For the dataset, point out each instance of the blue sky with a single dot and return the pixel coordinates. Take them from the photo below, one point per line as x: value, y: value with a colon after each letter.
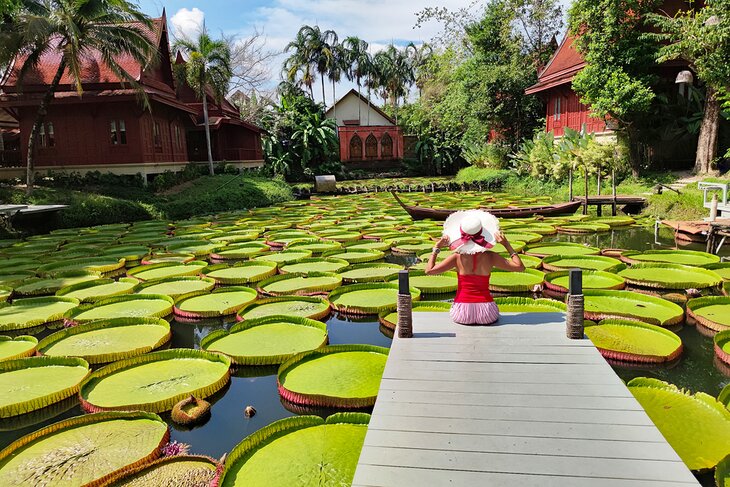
x: 377, y: 21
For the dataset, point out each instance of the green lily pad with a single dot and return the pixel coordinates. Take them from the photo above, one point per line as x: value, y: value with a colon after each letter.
x: 602, y: 304
x: 369, y: 272
x: 288, y: 284
x: 14, y: 277
x: 155, y: 382
x: 165, y: 257
x: 315, y: 264
x: 369, y: 244
x: 713, y: 312
x: 446, y: 282
x: 334, y: 376
x: 585, y: 262
x: 130, y: 253
x: 722, y: 473
x: 633, y: 341
x: 199, y: 248
x: 43, y: 286
x: 721, y: 268
x: 97, y: 264
x: 722, y: 346
x: 128, y: 306
x: 527, y: 237
x: 525, y: 281
x: 285, y: 256
x: 529, y: 305
x: 335, y: 443
x: 167, y: 270
x: 176, y: 287
x: 368, y: 298
x: 313, y: 245
x: 685, y: 257
x: 242, y: 272
x: 545, y: 249
x: 188, y: 470
x: 223, y: 301
x: 105, y: 341
x: 560, y: 281
x: 355, y: 256
x: 29, y: 384
x: 724, y: 396
x: 84, y: 450
x: 18, y: 347
x: 670, y: 276
x: 30, y: 312
x: 582, y: 227
x: 267, y: 341
x: 312, y: 307
x: 339, y: 236
x: 613, y: 221
x: 696, y: 426
x: 243, y: 251
x: 98, y: 289
x: 390, y: 319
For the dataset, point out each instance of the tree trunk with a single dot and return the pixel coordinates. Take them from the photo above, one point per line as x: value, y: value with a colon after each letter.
x: 207, y: 133
x: 707, y: 141
x: 324, y: 98
x: 38, y: 123
x: 629, y: 138
x: 359, y: 104
x: 334, y: 99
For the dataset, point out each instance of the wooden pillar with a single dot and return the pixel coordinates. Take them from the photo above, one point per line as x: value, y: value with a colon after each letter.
x: 599, y: 209
x: 570, y: 183
x: 585, y: 203
x: 405, y: 306
x: 574, y: 320
x: 613, y: 190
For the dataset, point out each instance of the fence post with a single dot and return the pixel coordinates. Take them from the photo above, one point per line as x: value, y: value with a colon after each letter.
x: 574, y: 322
x: 405, y: 306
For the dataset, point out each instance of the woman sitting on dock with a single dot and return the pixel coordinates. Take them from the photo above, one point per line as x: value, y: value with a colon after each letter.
x: 471, y: 234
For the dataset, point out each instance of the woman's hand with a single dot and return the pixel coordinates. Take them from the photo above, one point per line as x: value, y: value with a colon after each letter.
x: 500, y: 238
x: 443, y: 242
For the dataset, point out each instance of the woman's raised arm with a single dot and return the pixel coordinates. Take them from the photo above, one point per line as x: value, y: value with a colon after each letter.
x: 514, y: 263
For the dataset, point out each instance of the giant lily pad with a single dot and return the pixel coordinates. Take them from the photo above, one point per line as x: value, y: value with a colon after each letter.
x: 560, y: 281
x: 344, y: 376
x: 84, y: 450
x: 582, y: 227
x: 602, y: 304
x: 176, y: 287
x: 181, y: 470
x: 390, y: 319
x: 722, y: 473
x: 633, y: 341
x: 446, y: 282
x: 167, y: 270
x: 722, y: 346
x: 98, y: 264
x: 18, y: 347
x: 369, y: 272
x: 128, y: 306
x: 721, y: 268
x: 312, y: 307
x: 241, y: 273
x: 130, y: 253
x: 368, y: 298
x: 529, y: 305
x: 696, y: 426
x: 30, y: 312
x: 713, y: 312
x: 98, y: 289
x: 334, y: 443
x: 285, y: 257
x: 288, y: 284
x: 686, y: 257
x: 585, y: 262
x: 29, y: 384
x: 529, y: 261
x: 105, y: 341
x: 670, y: 276
x: 241, y: 251
x: 525, y: 281
x: 321, y: 264
x: 166, y: 257
x: 545, y: 249
x: 355, y: 256
x: 315, y: 246
x: 155, y: 382
x: 43, y: 286
x: 267, y: 341
x: 221, y: 302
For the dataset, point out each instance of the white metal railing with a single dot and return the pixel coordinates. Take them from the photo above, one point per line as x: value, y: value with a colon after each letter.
x: 712, y: 187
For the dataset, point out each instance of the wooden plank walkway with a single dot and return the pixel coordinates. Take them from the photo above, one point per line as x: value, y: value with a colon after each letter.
x: 517, y: 404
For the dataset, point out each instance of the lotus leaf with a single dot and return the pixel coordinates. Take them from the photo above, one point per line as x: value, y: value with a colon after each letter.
x: 155, y: 382
x: 197, y: 248
x: 685, y: 257
x: 721, y: 268
x: 529, y: 305
x: 381, y: 245
x: 722, y: 473
x: 517, y: 246
x: 722, y: 346
x: 242, y: 272
x: 634, y: 341
x: 98, y: 289
x: 30, y: 312
x: 127, y: 306
x: 313, y: 245
x: 314, y: 308
x: 287, y: 284
x: 412, y: 246
x: 334, y: 443
x: 176, y: 287
x: 369, y: 272
x: 525, y: 281
x: 267, y: 341
x: 343, y: 376
x: 713, y: 312
x: 545, y: 249
x: 560, y: 281
x: 243, y: 251
x: 179, y: 470
x: 29, y: 384
x: 165, y: 257
x: 130, y: 253
x: 724, y: 396
x: 582, y: 227
x: 390, y: 320
x: 11, y: 279
x: 339, y: 236
x: 106, y: 341
x: 98, y: 264
x: 446, y: 282
x: 696, y: 426
x: 527, y: 237
x: 539, y: 228
x: 167, y: 270
x: 585, y: 262
x: 190, y: 410
x: 40, y: 286
x: 223, y: 301
x: 670, y: 276
x: 285, y: 256
x: 602, y: 304
x: 368, y: 298
x: 18, y: 347
x: 5, y: 293
x: 322, y: 264
x: 355, y: 256
x: 84, y: 450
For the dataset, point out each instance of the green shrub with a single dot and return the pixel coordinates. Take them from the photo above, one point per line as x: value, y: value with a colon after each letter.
x: 490, y: 155
x: 492, y: 179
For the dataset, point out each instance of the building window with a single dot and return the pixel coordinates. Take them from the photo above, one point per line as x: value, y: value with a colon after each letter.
x: 157, y: 136
x: 371, y: 147
x: 178, y: 136
x: 558, y: 108
x: 355, y: 147
x: 118, y: 130
x: 386, y: 146
x: 46, y: 137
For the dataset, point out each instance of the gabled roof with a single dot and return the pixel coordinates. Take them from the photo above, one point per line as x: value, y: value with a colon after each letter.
x: 561, y: 69
x: 363, y: 99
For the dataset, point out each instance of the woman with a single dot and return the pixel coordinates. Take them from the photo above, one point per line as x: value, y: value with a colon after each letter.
x: 471, y: 234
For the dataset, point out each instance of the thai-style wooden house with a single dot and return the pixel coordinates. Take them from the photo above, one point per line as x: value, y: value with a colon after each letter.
x: 108, y: 128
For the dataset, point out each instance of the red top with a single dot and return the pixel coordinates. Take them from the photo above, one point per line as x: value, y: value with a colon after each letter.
x: 473, y: 288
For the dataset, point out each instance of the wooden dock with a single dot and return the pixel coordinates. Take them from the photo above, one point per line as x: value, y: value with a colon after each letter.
x: 515, y: 404
x: 629, y: 204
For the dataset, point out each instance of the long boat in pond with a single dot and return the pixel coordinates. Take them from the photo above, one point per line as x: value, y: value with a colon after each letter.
x: 423, y: 213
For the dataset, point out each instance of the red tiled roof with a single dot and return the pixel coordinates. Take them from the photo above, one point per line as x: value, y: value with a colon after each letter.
x: 561, y: 69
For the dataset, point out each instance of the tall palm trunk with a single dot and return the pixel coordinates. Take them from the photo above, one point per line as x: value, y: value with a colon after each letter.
x: 207, y: 132
x: 708, y: 138
x: 334, y: 99
x: 359, y: 104
x: 39, y: 119
x: 324, y: 98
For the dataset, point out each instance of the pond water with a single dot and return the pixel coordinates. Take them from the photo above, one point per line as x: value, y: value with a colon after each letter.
x: 227, y: 425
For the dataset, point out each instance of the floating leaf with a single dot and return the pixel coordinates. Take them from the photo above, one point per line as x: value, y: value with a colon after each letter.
x: 167, y: 270
x: 312, y: 307
x: 369, y: 272
x: 722, y: 474
x: 315, y: 264
x: 178, y: 470
x: 560, y: 281
x: 241, y: 273
x: 98, y: 264
x: 722, y: 346
x: 30, y: 312
x: 633, y: 341
x: 446, y: 282
x: 289, y: 284
x: 44, y: 286
x: 585, y: 262
x: 98, y: 289
x: 223, y: 301
x: 685, y: 257
x: 518, y: 282
x: 390, y: 319
x: 368, y: 298
x: 670, y: 276
x: 176, y: 287
x: 18, y: 347
x: 602, y: 304
x: 712, y: 312
x: 545, y: 249
x: 128, y: 306
x: 529, y: 305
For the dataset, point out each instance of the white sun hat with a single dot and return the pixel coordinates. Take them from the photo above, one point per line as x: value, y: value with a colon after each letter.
x: 464, y: 227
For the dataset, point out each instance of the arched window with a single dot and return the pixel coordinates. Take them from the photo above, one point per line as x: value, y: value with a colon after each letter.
x: 355, y: 147
x: 386, y: 146
x: 371, y: 147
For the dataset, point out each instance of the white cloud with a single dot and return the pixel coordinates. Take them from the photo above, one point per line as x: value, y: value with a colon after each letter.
x: 188, y: 23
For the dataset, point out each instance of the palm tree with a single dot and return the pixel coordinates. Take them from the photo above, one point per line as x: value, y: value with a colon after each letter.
x: 321, y: 49
x: 337, y: 68
x: 394, y: 74
x: 418, y: 58
x: 208, y: 67
x: 299, y: 62
x: 360, y: 63
x: 115, y: 29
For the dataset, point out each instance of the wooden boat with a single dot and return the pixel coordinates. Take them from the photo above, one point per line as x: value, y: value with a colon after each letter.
x: 422, y: 213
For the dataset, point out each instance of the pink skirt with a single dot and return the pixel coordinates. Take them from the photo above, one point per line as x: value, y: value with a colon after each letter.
x: 474, y: 313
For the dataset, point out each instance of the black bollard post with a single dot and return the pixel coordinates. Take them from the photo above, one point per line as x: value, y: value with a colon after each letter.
x: 405, y: 306
x: 574, y: 321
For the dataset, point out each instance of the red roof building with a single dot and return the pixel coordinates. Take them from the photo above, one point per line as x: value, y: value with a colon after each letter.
x: 108, y: 129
